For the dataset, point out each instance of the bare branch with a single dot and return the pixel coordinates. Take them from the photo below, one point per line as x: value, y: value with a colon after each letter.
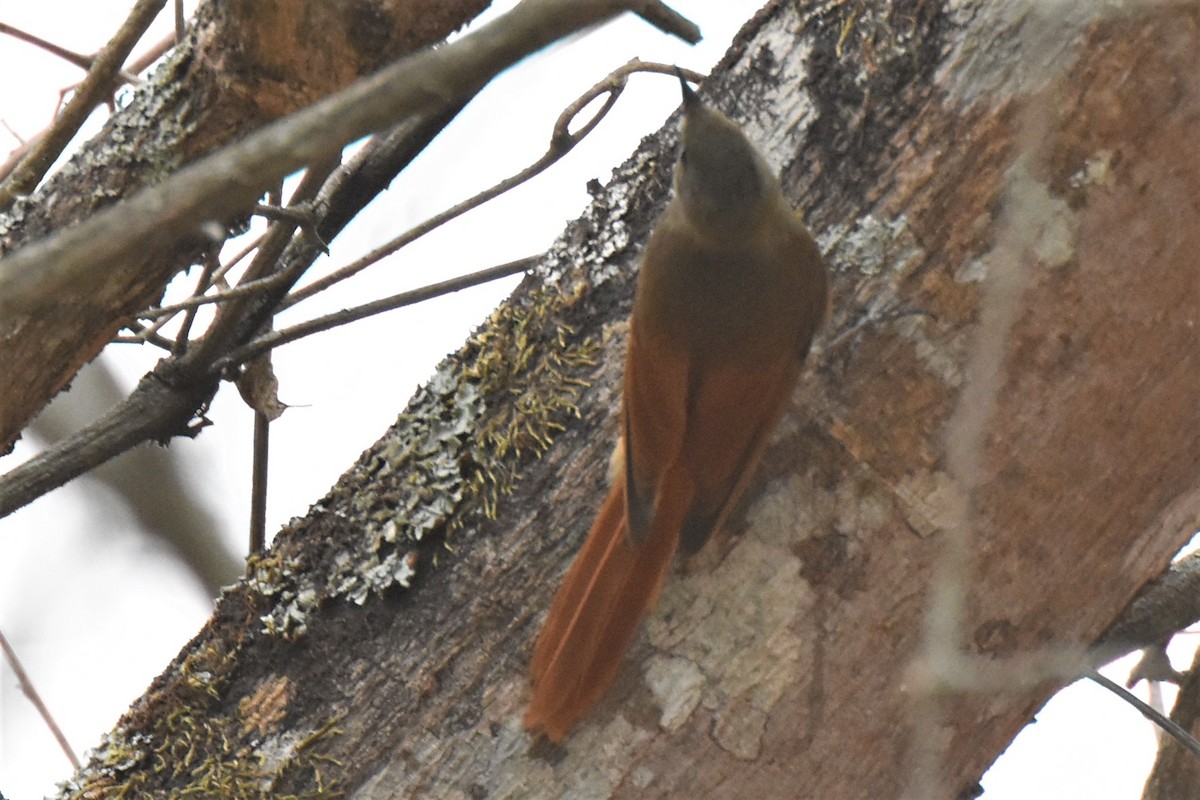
x: 277, y: 338
x: 97, y: 85
x: 1175, y: 770
x: 211, y: 265
x: 190, y: 380
x: 70, y: 56
x: 128, y: 75
x: 668, y: 21
x: 192, y: 377
x: 562, y: 141
x: 243, y: 289
x: 258, y: 483
x: 142, y: 334
x: 229, y: 181
x: 235, y: 321
x: 1149, y: 712
x: 28, y: 689
x: 152, y: 54
x: 164, y: 404
x: 1161, y: 609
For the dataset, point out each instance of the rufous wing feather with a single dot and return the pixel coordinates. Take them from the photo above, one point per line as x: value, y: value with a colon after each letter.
x: 616, y: 577
x: 654, y: 422
x: 730, y: 292
x: 731, y: 415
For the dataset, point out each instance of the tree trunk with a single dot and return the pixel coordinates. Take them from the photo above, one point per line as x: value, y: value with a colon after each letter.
x: 241, y: 64
x: 1176, y: 772
x: 1006, y: 192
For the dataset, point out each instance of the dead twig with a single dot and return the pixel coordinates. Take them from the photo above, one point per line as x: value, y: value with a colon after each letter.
x: 97, y: 85
x: 170, y: 401
x: 562, y: 141
x: 277, y: 338
x: 30, y: 692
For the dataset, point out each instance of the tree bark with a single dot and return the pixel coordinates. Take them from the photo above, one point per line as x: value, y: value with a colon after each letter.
x: 1002, y: 178
x: 1176, y: 772
x: 241, y: 65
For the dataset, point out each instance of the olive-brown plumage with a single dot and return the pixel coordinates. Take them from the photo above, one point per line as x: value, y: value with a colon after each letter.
x: 731, y: 291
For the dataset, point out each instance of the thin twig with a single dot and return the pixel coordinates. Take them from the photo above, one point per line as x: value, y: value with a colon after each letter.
x: 275, y: 339
x: 258, y: 482
x: 232, y: 178
x: 669, y: 21
x: 128, y: 75
x: 166, y: 401
x: 153, y: 53
x: 234, y: 319
x: 211, y: 264
x: 423, y: 89
x: 241, y: 290
x: 562, y: 141
x: 27, y: 687
x: 301, y: 215
x: 1149, y: 712
x: 145, y: 335
x: 70, y: 56
x: 239, y: 257
x: 12, y: 132
x: 396, y: 148
x: 97, y: 84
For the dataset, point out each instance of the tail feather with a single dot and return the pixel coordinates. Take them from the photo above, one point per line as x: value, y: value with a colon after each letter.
x: 609, y: 588
x: 581, y: 581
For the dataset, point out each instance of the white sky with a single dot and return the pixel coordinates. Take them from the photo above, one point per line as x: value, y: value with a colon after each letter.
x: 95, y: 612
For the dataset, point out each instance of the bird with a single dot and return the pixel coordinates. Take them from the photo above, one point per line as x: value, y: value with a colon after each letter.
x: 730, y: 293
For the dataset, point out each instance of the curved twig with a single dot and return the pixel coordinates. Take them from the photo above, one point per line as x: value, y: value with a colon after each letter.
x: 562, y: 141
x: 167, y: 401
x: 1148, y: 711
x: 421, y: 84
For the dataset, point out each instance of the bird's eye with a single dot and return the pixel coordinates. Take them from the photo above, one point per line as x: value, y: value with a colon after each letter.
x: 682, y: 155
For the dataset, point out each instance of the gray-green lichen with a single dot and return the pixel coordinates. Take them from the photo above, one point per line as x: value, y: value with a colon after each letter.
x: 873, y: 246
x: 155, y: 115
x: 451, y: 457
x: 600, y: 236
x: 461, y: 444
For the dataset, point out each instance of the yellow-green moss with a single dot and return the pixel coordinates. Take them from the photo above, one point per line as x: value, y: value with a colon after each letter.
x: 451, y: 456
x: 541, y: 382
x: 204, y: 754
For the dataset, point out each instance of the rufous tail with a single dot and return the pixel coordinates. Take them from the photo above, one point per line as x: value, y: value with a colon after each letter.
x: 609, y: 588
